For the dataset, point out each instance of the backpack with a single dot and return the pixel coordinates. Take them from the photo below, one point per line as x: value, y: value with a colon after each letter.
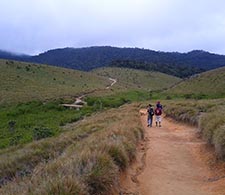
x: 151, y: 112
x: 158, y: 111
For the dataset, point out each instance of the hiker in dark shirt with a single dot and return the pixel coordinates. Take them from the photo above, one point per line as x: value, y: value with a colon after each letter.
x: 150, y: 111
x: 158, y: 105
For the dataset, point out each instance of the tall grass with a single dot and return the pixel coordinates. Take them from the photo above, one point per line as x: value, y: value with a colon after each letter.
x: 86, y: 159
x: 208, y: 115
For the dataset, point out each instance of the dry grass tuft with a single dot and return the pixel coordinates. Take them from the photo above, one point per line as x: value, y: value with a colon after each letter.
x: 85, y: 160
x: 219, y: 141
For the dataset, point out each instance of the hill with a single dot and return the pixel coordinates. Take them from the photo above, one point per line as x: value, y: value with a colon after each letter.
x: 13, y: 56
x: 208, y: 84
x: 93, y: 57
x: 21, y: 82
x: 137, y: 79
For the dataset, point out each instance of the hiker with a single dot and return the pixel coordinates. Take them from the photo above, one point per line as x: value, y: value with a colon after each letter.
x: 150, y: 111
x: 158, y: 113
x: 158, y: 105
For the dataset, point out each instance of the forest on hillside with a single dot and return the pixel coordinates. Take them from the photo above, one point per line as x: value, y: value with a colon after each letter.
x: 173, y: 63
x: 171, y: 69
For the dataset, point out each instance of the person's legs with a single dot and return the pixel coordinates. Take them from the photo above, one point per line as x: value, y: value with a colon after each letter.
x: 150, y: 121
x: 156, y: 120
x: 160, y: 120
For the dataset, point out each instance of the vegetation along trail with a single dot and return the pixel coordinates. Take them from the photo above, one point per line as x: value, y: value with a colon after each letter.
x: 172, y: 161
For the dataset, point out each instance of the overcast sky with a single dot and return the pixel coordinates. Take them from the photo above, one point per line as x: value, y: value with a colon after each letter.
x: 34, y: 26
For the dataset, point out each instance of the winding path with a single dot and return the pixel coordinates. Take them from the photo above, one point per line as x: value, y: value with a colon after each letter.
x: 113, y: 82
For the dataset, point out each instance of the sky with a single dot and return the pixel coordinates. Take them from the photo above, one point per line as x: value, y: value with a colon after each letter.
x: 34, y: 26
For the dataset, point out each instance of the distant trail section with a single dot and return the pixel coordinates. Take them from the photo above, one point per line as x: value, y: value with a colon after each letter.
x: 171, y: 162
x: 113, y: 82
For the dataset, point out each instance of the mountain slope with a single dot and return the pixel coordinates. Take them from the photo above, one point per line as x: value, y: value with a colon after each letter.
x: 21, y: 82
x: 94, y: 57
x: 137, y: 79
x: 208, y: 84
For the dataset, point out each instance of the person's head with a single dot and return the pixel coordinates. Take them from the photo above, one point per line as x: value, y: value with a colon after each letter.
x: 150, y: 105
x: 158, y: 102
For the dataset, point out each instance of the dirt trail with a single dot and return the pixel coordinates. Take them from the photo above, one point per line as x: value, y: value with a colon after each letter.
x: 171, y: 162
x: 113, y: 82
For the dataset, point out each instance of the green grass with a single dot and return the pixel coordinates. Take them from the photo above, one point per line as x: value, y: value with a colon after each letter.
x: 117, y: 99
x: 208, y: 85
x: 207, y: 115
x: 23, y: 82
x: 85, y: 159
x: 128, y: 79
x: 26, y: 122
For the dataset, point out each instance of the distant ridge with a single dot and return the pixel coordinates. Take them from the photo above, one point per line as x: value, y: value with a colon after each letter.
x: 173, y: 63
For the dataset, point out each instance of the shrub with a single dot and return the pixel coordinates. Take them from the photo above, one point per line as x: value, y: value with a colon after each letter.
x: 42, y: 132
x: 27, y: 68
x: 14, y: 140
x: 219, y: 141
x: 12, y: 126
x: 188, y: 96
x: 168, y: 97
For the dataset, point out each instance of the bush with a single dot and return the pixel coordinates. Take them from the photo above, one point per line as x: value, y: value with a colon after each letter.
x: 42, y: 132
x: 219, y: 141
x: 15, y: 140
x: 12, y: 126
x: 188, y: 96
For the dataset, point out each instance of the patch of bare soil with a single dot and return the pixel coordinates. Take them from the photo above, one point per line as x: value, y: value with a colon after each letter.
x: 173, y: 160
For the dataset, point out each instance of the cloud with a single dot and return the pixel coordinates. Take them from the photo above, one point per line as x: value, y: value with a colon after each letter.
x: 31, y: 26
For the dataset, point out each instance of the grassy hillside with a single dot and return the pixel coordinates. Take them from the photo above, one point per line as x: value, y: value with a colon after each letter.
x: 210, y: 84
x: 32, y: 84
x: 137, y: 79
x: 22, y: 82
x: 85, y: 160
